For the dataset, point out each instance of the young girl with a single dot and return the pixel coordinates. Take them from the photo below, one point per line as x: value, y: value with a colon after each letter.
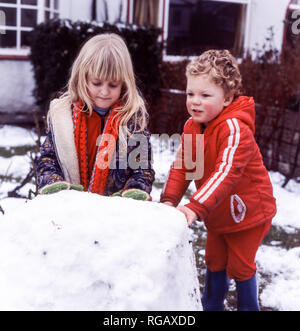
x: 89, y: 125
x: 234, y: 197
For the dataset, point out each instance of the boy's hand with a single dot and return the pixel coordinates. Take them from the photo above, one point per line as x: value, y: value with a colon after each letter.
x: 189, y: 214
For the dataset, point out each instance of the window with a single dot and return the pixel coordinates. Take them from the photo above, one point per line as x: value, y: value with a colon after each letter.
x: 145, y: 12
x: 19, y: 17
x: 197, y: 25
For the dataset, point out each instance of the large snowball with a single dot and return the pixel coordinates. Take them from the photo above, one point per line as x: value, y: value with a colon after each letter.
x: 81, y: 251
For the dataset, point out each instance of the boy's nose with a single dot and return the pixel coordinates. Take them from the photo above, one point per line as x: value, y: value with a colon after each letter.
x: 197, y: 101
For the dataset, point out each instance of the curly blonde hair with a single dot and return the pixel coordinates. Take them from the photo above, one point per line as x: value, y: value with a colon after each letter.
x: 223, y: 69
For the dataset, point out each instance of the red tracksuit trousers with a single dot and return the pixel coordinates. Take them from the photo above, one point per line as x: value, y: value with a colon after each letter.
x: 235, y: 252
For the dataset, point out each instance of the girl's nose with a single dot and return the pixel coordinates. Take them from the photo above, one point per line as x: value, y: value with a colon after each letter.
x: 104, y: 90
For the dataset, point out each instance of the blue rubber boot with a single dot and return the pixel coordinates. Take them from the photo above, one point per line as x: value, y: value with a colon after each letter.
x: 247, y: 298
x: 216, y: 288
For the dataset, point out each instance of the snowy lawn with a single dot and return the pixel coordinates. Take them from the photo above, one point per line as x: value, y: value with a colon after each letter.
x: 277, y: 260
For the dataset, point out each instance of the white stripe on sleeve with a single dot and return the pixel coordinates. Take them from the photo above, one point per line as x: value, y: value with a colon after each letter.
x: 219, y: 176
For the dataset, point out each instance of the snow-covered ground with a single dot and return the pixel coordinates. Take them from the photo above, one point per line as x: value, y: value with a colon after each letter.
x: 278, y: 265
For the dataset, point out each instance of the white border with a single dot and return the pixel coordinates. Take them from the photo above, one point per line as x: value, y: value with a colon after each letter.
x: 242, y: 211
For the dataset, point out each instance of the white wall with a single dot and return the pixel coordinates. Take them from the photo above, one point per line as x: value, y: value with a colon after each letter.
x: 81, y: 10
x: 75, y: 9
x: 264, y: 14
x: 114, y: 9
x: 15, y: 93
x: 16, y: 88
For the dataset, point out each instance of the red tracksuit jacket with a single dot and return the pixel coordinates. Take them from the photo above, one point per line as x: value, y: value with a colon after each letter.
x: 235, y: 192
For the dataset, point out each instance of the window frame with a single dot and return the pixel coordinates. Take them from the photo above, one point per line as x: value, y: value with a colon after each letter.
x: 246, y: 44
x: 163, y: 23
x: 130, y: 12
x: 41, y: 10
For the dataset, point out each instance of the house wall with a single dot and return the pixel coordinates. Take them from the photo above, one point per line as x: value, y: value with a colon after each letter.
x: 263, y: 15
x: 16, y: 88
x: 78, y: 9
x: 75, y: 9
x: 16, y: 92
x: 116, y: 11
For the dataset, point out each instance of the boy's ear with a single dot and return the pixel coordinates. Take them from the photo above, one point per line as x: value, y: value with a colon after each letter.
x: 228, y: 99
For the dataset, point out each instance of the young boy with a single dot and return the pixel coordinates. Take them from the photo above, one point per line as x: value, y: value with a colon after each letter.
x: 234, y: 197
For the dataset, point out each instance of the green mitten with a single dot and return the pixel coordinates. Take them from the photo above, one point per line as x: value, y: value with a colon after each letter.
x: 54, y: 187
x: 76, y: 187
x: 136, y: 194
x: 117, y: 194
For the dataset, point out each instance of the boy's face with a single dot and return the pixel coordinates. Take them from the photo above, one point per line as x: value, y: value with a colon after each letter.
x: 104, y: 93
x: 205, y: 100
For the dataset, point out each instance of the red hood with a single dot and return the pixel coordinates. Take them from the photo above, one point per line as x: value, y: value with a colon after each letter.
x: 243, y: 108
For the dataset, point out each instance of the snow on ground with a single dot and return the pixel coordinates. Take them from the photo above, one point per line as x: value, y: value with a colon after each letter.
x: 280, y: 264
x: 283, y: 292
x: 287, y: 203
x: 11, y: 136
x: 16, y: 166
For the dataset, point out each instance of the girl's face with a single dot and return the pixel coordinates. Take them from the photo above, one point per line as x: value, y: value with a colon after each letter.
x: 205, y: 100
x: 104, y: 93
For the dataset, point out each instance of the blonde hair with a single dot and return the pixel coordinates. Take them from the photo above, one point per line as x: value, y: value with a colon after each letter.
x: 106, y: 57
x: 223, y: 69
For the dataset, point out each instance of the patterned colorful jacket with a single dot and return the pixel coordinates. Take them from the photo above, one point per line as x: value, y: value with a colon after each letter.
x: 50, y: 168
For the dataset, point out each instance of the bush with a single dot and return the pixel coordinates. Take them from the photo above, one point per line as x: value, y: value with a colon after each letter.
x: 273, y: 79
x: 169, y: 112
x: 56, y: 43
x: 173, y: 75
